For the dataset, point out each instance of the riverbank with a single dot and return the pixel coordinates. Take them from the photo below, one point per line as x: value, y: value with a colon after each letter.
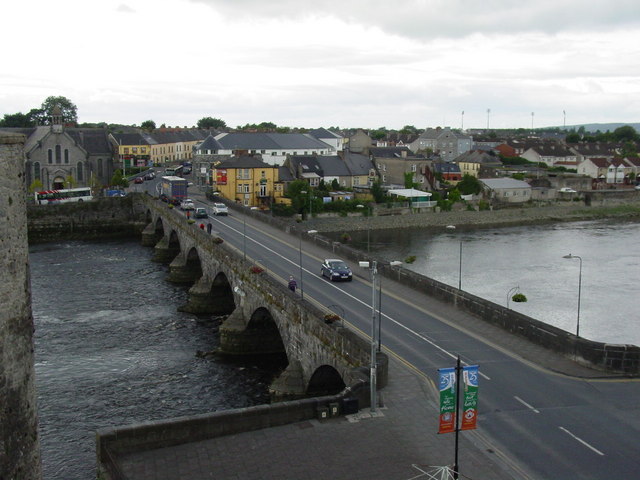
x: 569, y: 212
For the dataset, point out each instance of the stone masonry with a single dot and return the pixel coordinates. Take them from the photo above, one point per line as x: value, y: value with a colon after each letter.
x: 19, y: 444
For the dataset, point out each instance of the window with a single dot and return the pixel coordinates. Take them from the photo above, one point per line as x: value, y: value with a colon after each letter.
x: 66, y: 155
x: 36, y: 170
x: 246, y: 188
x: 126, y: 150
x: 134, y: 150
x: 80, y: 172
x: 49, y: 156
x: 58, y: 154
x: 263, y: 174
x: 239, y: 188
x: 413, y: 168
x: 356, y: 181
x: 100, y: 172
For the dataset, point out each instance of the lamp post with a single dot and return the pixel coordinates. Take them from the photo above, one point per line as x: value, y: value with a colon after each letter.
x: 579, y: 290
x: 360, y: 206
x: 374, y: 365
x: 511, y: 291
x: 244, y: 235
x: 460, y: 269
x: 394, y: 263
x: 310, y: 232
x: 303, y: 192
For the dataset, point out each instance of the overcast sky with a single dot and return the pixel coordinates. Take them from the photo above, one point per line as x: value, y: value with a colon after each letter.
x: 322, y: 63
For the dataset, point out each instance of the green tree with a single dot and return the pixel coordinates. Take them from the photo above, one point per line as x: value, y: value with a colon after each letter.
x: 377, y: 192
x: 118, y: 180
x: 625, y: 134
x: 148, y: 125
x: 469, y: 185
x: 19, y: 120
x: 378, y: 134
x: 67, y: 107
x: 36, y: 186
x: 408, y: 180
x: 334, y: 184
x: 210, y: 122
x: 572, y: 137
x: 408, y: 130
x: 70, y: 182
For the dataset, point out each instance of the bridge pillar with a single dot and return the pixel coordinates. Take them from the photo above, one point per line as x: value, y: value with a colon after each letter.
x: 207, y: 298
x: 183, y: 271
x: 163, y: 252
x: 290, y: 385
x: 237, y: 339
x: 150, y: 237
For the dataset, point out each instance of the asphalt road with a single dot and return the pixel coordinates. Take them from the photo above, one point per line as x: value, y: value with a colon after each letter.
x: 546, y: 424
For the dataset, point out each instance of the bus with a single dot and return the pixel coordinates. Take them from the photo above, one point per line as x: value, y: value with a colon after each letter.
x: 48, y: 197
x: 174, y: 171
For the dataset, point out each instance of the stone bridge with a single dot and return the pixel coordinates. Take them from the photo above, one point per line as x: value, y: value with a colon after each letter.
x: 263, y: 316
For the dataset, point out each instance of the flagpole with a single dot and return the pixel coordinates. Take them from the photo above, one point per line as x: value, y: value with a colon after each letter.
x: 455, y: 464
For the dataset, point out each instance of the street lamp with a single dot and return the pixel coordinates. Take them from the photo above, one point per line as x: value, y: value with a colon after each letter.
x: 368, y: 224
x: 244, y: 235
x: 579, y: 289
x: 460, y: 269
x: 511, y: 291
x: 303, y: 192
x: 374, y: 365
x: 310, y: 232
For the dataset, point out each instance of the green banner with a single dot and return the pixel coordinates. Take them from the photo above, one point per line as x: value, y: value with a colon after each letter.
x: 447, y: 387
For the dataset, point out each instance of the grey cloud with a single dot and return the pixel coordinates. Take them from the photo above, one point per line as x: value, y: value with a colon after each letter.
x: 424, y: 19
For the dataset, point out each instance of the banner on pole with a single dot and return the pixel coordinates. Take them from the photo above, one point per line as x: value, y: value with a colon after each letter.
x: 447, y: 388
x: 469, y: 397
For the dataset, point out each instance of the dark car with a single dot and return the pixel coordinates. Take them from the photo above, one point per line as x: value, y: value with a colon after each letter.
x: 200, y: 213
x: 138, y: 180
x: 335, y: 269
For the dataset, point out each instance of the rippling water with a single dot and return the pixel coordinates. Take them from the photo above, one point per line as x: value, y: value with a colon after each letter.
x: 111, y: 349
x: 496, y: 260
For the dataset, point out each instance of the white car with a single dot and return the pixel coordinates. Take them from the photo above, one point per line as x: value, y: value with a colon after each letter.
x: 220, y: 209
x: 187, y: 204
x: 567, y: 190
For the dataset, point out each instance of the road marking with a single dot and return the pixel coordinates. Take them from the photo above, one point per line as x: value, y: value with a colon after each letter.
x: 413, y: 332
x: 526, y: 404
x: 582, y: 441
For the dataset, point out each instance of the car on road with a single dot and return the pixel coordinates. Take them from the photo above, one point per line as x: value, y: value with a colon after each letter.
x: 138, y: 180
x: 200, y: 213
x: 335, y: 269
x: 567, y: 190
x: 150, y: 176
x: 187, y: 204
x: 220, y: 209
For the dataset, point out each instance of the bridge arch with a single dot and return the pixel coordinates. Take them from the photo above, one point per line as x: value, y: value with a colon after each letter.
x: 325, y: 381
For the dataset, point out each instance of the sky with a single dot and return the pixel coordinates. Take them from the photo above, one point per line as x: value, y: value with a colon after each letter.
x: 323, y: 63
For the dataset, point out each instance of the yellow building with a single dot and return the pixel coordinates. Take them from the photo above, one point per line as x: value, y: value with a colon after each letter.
x: 130, y: 149
x: 247, y: 180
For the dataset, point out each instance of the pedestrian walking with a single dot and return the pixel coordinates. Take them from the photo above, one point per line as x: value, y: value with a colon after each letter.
x: 209, y: 227
x: 188, y: 215
x: 292, y: 284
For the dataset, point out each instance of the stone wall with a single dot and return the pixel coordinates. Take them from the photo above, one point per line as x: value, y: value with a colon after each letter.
x: 104, y: 218
x: 19, y: 444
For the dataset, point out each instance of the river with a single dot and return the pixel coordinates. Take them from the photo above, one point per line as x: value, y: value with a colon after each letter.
x: 497, y: 260
x: 112, y: 349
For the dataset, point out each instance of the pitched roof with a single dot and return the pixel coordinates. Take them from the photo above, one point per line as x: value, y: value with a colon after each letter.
x: 504, y: 182
x: 93, y: 140
x: 392, y: 152
x: 333, y: 166
x: 245, y: 161
x: 357, y: 163
x: 130, y: 139
x: 445, y: 167
x: 210, y: 143
x: 270, y: 141
x: 599, y: 162
x: 323, y: 133
x: 477, y: 156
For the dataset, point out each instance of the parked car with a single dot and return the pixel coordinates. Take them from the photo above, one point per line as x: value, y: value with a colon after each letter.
x: 220, y: 209
x: 138, y: 180
x: 200, y: 213
x: 336, y: 269
x: 187, y: 204
x: 567, y: 190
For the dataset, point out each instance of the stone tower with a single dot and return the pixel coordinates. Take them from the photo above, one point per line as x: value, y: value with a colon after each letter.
x: 19, y: 444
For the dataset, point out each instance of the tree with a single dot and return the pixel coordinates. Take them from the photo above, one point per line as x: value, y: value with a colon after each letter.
x: 19, y: 120
x: 625, y: 134
x: 334, y: 184
x: 210, y: 122
x: 148, y: 125
x: 118, y: 180
x: 469, y: 185
x: 408, y: 130
x: 67, y: 107
x: 70, y: 182
x: 377, y: 192
x: 572, y: 137
x: 36, y: 186
x: 408, y: 180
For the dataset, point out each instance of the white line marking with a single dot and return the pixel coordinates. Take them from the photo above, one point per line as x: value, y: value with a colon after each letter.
x: 422, y: 337
x: 526, y: 404
x: 582, y: 441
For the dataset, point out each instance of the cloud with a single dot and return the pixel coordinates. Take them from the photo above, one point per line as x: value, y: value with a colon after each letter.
x: 424, y: 19
x: 122, y: 8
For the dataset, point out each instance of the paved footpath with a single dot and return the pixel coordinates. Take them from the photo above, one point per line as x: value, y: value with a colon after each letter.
x: 400, y: 443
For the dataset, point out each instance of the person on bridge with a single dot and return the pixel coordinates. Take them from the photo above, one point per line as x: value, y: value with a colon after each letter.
x: 292, y: 284
x: 209, y: 227
x: 202, y: 226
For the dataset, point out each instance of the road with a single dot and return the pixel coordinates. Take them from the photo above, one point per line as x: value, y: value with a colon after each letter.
x: 545, y: 425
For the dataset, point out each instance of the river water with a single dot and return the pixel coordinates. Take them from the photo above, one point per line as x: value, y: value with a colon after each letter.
x: 495, y: 261
x: 112, y: 349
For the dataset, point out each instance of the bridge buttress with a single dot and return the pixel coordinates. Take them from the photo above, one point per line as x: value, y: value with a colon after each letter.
x: 182, y: 270
x: 163, y: 252
x: 290, y: 385
x: 207, y: 297
x: 150, y: 236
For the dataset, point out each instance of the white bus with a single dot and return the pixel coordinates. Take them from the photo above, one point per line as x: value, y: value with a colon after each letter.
x: 48, y: 197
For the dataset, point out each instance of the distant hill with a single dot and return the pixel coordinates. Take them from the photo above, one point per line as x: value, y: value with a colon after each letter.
x: 603, y: 127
